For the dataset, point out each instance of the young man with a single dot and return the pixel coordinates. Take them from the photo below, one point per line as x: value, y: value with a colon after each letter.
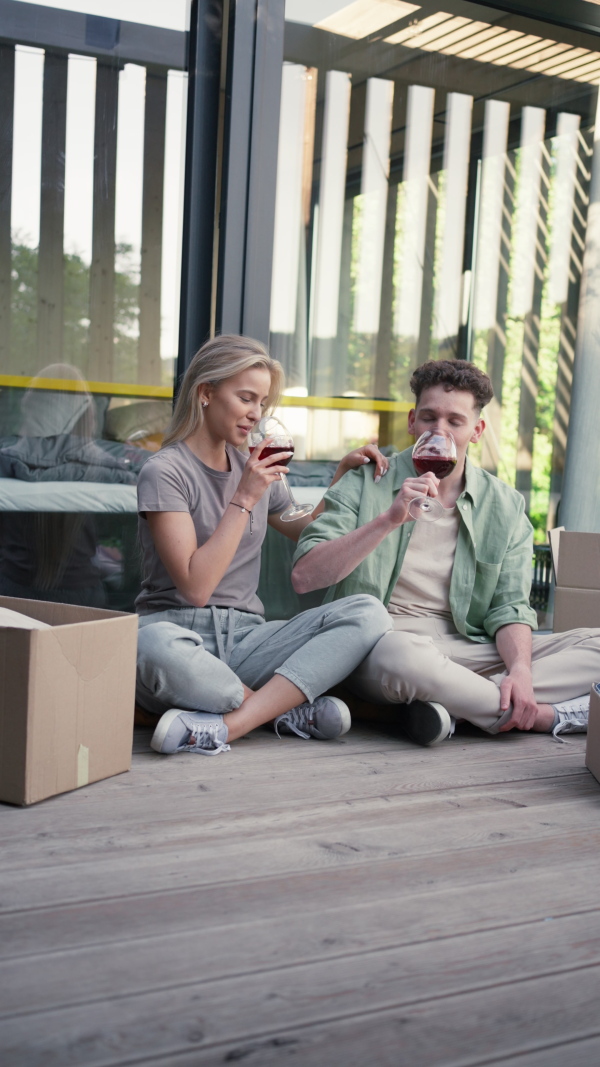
x: 457, y: 589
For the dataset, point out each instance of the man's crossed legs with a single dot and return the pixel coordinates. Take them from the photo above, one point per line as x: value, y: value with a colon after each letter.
x: 427, y: 660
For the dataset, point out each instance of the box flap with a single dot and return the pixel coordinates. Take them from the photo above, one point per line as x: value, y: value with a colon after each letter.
x: 55, y: 614
x: 554, y: 541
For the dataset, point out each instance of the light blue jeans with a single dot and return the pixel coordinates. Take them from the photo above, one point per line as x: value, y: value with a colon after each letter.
x: 198, y: 658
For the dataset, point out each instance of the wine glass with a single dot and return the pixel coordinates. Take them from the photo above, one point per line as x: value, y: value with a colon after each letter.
x: 281, y: 441
x: 435, y: 451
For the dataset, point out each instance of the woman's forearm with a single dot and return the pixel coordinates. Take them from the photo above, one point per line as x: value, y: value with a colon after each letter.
x: 196, y: 571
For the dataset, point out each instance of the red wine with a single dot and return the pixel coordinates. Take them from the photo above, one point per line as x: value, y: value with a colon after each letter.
x: 441, y: 466
x: 273, y: 450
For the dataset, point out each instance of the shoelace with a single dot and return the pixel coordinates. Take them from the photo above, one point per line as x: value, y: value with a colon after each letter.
x: 202, y: 735
x: 569, y: 719
x: 295, y: 719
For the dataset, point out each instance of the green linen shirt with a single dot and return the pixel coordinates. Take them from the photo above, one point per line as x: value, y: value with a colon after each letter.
x: 492, y: 571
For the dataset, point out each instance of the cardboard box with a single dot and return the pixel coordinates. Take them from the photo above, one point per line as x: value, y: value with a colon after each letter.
x: 575, y: 607
x: 576, y: 558
x: 576, y: 562
x: 66, y: 699
x: 592, y: 750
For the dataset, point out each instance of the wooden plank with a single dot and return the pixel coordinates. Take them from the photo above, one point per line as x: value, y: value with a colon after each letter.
x: 223, y: 857
x: 215, y: 816
x: 447, y: 1002
x: 149, y: 365
x: 458, y: 1031
x: 418, y: 886
x: 578, y: 1053
x: 249, y: 784
x: 7, y: 101
x: 210, y: 949
x: 50, y: 308
x: 102, y: 271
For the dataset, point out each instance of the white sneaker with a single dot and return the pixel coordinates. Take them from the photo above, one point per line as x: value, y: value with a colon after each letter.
x: 572, y: 717
x: 326, y: 718
x: 190, y: 731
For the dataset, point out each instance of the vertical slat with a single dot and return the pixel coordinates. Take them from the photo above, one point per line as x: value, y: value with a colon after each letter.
x: 423, y: 351
x: 386, y: 313
x: 102, y: 273
x: 531, y: 343
x: 7, y: 100
x: 416, y: 181
x: 496, y: 352
x: 457, y: 146
x: 152, y: 223
x: 492, y: 258
x: 50, y: 323
x: 568, y: 326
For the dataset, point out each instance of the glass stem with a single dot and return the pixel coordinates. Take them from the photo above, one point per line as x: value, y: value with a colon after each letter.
x: 287, y: 488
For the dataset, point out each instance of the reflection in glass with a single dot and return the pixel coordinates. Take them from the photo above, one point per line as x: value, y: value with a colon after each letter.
x: 478, y: 250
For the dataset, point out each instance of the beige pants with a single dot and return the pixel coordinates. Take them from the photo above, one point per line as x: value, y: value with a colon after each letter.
x: 426, y: 659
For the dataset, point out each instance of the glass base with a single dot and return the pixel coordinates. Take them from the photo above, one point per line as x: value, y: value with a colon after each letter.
x: 425, y: 509
x: 296, y: 511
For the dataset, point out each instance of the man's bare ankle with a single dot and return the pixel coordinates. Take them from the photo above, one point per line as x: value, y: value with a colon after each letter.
x: 545, y: 719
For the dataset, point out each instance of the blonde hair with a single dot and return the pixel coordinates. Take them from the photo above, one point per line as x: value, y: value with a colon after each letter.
x: 219, y: 359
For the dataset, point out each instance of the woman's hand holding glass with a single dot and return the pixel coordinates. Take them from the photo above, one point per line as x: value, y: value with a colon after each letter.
x: 269, y: 435
x: 260, y: 472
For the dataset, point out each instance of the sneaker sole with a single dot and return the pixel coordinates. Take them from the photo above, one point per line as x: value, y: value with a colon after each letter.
x: 159, y: 735
x: 345, y: 714
x: 426, y: 723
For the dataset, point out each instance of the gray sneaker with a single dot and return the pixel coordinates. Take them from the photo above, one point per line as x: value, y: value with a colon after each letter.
x: 326, y: 718
x: 190, y: 731
x: 572, y: 717
x: 425, y: 722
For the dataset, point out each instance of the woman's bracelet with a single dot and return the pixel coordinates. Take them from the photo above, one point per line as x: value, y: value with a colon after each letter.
x: 242, y: 508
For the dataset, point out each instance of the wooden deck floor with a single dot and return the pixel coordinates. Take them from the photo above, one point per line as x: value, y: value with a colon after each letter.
x: 362, y: 903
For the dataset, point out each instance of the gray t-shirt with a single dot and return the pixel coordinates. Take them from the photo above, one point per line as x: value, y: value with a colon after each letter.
x: 176, y: 480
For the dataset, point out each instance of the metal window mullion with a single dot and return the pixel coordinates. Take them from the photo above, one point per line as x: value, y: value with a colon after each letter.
x: 50, y: 322
x: 7, y: 102
x: 152, y: 225
x: 206, y: 23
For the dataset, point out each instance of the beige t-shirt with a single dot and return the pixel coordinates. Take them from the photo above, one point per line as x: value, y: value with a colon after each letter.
x: 423, y: 586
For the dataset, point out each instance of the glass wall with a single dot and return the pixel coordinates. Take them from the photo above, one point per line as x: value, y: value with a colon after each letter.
x: 91, y: 182
x: 433, y: 179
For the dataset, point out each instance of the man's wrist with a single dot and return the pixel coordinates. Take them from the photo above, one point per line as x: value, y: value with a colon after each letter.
x: 386, y: 523
x: 520, y: 668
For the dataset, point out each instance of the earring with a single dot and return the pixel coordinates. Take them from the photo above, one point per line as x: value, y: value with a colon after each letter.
x: 205, y: 403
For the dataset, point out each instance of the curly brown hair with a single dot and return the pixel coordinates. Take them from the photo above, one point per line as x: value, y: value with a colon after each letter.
x: 453, y: 374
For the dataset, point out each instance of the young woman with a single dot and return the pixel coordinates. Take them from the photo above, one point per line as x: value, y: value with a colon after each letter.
x: 208, y: 663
